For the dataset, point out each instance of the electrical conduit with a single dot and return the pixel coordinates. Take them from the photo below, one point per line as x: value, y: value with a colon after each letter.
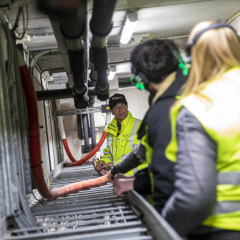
x: 64, y: 140
x: 80, y: 162
x: 62, y: 133
x: 34, y: 139
x: 104, y: 135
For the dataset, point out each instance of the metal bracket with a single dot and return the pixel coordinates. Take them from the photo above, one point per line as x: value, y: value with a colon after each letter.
x: 76, y: 111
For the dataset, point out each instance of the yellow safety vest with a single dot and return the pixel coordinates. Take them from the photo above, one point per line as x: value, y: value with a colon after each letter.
x: 148, y: 156
x: 220, y: 117
x: 119, y: 146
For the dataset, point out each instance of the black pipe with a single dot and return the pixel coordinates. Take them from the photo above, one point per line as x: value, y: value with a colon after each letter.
x: 91, y: 101
x: 124, y: 61
x: 71, y: 21
x: 102, y: 83
x: 93, y: 135
x: 61, y: 94
x: 100, y: 57
x: 91, y: 92
x: 86, y: 135
x: 54, y: 94
x: 101, y: 22
x: 76, y: 59
x: 79, y: 127
x: 86, y: 40
x: 101, y: 26
x: 72, y: 25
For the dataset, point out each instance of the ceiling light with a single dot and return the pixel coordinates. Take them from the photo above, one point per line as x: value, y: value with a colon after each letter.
x: 48, y: 79
x: 129, y: 27
x: 112, y: 73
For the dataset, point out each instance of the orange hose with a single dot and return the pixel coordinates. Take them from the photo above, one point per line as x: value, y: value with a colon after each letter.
x: 65, y: 144
x: 34, y: 140
x: 80, y: 162
x: 74, y: 187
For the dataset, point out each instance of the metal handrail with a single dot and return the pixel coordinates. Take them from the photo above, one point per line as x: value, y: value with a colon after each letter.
x: 158, y: 227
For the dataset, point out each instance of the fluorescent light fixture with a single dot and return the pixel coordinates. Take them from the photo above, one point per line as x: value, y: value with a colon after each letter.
x: 112, y: 73
x: 129, y: 27
x: 48, y: 79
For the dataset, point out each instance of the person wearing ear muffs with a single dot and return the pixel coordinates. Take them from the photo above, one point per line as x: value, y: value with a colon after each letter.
x: 157, y: 67
x: 205, y: 140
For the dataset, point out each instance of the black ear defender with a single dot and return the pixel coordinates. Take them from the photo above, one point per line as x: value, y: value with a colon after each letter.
x: 139, y: 79
x: 198, y: 35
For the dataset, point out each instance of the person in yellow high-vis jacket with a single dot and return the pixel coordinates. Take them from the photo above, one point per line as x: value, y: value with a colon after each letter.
x: 122, y: 135
x: 205, y: 140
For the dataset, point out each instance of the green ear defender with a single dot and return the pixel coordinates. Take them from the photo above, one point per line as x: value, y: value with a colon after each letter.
x: 181, y: 64
x: 183, y: 67
x: 137, y: 81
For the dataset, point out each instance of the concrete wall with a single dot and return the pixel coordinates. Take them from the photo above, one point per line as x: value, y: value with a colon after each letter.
x: 49, y: 157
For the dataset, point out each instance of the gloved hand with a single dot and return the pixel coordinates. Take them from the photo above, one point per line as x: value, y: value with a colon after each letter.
x: 123, y: 184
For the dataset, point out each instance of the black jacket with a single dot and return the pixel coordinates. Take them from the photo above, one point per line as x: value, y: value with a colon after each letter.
x: 157, y: 119
x: 159, y: 135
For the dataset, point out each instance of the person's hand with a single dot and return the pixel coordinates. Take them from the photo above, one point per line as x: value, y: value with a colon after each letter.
x: 100, y: 165
x: 110, y: 176
x: 104, y: 172
x: 122, y: 184
x: 110, y: 165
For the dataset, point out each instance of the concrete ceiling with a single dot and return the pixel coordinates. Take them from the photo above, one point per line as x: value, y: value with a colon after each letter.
x: 157, y: 19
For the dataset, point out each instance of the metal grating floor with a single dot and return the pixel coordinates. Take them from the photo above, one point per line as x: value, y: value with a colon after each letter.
x: 90, y: 214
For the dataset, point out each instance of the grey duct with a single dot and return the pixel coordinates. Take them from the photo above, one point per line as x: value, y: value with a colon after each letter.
x: 93, y: 134
x: 79, y: 127
x: 86, y: 133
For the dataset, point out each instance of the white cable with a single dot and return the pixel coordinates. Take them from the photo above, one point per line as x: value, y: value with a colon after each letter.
x: 108, y: 120
x: 60, y: 120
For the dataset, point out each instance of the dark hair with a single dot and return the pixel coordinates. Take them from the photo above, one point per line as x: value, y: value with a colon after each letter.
x: 155, y: 59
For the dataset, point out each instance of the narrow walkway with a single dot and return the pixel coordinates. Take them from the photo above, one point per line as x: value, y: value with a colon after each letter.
x: 90, y: 214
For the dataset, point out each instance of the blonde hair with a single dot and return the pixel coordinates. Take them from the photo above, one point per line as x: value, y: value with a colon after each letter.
x: 215, y: 52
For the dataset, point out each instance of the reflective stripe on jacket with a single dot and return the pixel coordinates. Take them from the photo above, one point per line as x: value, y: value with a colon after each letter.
x: 217, y: 109
x: 119, y: 146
